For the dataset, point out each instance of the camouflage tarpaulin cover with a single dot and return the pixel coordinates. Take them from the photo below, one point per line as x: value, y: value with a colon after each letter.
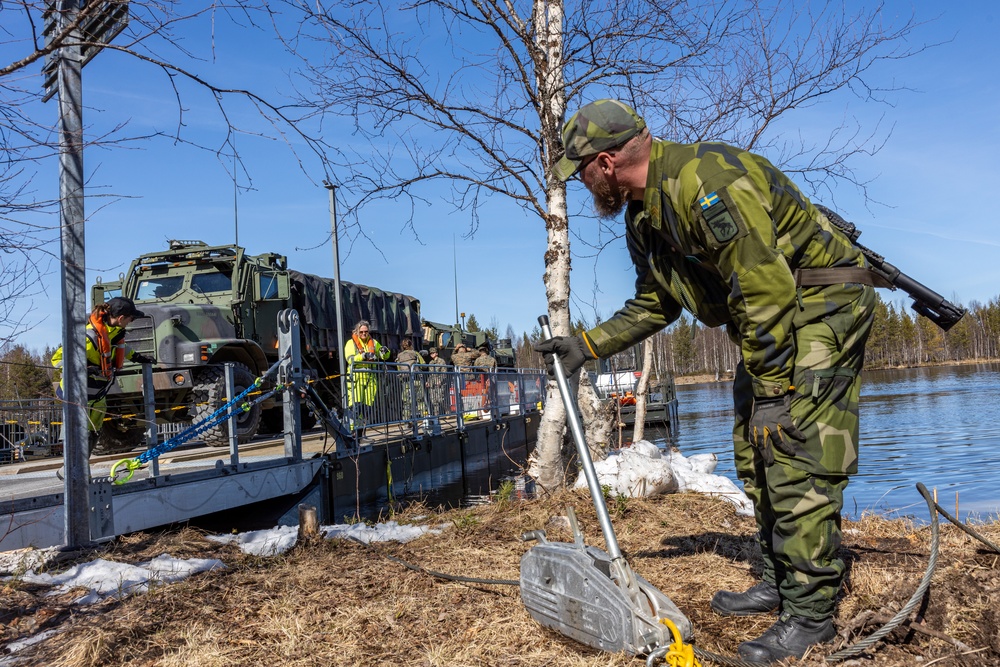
x: 392, y: 315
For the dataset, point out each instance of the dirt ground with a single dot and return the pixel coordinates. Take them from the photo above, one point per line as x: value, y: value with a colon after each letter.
x: 336, y: 602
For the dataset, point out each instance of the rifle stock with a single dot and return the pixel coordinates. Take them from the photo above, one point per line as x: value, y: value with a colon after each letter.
x: 926, y: 301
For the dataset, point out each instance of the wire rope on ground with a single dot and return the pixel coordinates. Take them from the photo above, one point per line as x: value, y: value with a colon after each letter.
x: 843, y: 654
x: 914, y: 600
x: 439, y: 575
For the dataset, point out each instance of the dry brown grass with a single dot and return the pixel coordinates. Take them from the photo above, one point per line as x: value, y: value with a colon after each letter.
x: 342, y: 603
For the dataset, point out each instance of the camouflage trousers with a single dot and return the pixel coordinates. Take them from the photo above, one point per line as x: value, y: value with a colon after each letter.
x: 798, y: 499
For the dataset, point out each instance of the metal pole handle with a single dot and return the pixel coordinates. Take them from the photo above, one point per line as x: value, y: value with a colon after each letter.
x: 576, y: 428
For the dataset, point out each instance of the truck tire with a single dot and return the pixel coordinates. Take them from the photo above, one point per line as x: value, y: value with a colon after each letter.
x: 118, y: 436
x: 209, y: 396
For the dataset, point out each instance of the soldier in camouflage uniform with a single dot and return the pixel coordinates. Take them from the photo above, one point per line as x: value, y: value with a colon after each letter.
x: 467, y: 384
x: 485, y: 359
x: 438, y: 382
x: 722, y: 233
x: 463, y: 356
x: 405, y: 359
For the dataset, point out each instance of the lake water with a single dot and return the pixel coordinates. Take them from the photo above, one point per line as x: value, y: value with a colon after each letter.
x: 939, y: 426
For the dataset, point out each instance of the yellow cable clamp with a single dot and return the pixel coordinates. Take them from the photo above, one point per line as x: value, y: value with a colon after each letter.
x: 679, y: 654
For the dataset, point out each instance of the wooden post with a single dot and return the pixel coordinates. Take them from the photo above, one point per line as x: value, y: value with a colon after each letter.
x: 308, y: 523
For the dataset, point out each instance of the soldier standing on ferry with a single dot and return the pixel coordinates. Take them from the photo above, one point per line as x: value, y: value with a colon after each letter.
x: 405, y: 359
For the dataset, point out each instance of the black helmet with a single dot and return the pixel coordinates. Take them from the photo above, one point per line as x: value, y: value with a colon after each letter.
x: 123, y: 306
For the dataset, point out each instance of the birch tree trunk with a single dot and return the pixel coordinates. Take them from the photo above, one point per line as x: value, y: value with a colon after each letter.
x: 642, y: 391
x: 546, y: 464
x: 597, y: 422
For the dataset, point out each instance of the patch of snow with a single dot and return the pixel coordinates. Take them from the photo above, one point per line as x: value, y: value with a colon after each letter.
x: 643, y: 470
x: 22, y: 560
x: 278, y: 540
x: 103, y: 578
x: 269, y: 542
x: 390, y: 531
x: 638, y: 471
x: 19, y: 644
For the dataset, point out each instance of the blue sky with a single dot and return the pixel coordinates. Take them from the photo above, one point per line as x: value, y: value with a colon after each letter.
x: 936, y: 176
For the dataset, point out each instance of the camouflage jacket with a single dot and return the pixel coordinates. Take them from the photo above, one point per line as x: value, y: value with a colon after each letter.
x: 464, y: 358
x: 485, y: 361
x: 720, y: 233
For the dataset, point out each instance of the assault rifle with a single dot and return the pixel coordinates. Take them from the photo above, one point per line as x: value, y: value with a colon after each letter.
x: 926, y: 301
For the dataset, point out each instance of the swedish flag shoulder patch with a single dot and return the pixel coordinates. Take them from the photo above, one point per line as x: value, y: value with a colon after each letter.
x: 721, y: 218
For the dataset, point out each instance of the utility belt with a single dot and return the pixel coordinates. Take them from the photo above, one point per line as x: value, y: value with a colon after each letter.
x: 98, y: 387
x: 840, y: 274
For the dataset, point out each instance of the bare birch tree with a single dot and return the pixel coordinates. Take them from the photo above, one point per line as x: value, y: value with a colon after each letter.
x: 473, y: 94
x: 158, y: 35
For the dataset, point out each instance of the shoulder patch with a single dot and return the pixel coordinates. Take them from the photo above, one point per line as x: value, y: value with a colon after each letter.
x: 721, y: 218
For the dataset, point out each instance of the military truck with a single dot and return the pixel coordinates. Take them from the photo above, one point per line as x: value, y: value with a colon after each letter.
x: 207, y: 305
x: 445, y: 337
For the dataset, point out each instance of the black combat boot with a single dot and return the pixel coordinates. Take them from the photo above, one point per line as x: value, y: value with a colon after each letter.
x: 791, y: 636
x: 759, y: 599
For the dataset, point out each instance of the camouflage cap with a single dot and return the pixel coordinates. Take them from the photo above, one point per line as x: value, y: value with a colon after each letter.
x: 595, y: 128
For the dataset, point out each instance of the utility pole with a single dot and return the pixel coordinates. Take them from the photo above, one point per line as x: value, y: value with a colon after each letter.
x: 76, y: 450
x: 336, y: 286
x: 454, y: 257
x: 97, y: 24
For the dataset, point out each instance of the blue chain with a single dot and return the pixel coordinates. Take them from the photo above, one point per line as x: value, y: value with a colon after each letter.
x: 227, y: 411
x: 210, y: 421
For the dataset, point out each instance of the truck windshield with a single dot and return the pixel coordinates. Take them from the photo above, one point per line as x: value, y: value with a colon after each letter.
x: 159, y: 288
x: 211, y: 282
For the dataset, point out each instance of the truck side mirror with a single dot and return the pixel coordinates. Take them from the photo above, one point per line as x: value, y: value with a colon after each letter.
x: 101, y: 291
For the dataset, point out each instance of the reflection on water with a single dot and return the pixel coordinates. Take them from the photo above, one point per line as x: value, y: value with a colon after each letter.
x: 939, y: 426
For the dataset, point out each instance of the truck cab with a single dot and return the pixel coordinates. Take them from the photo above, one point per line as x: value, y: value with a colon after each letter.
x: 204, y: 306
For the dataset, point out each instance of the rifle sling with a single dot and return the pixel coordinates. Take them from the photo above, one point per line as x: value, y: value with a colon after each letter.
x: 840, y: 274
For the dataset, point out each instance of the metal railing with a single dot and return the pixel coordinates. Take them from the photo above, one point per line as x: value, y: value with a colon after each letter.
x: 32, y: 428
x: 422, y: 395
x: 28, y: 426
x: 420, y: 398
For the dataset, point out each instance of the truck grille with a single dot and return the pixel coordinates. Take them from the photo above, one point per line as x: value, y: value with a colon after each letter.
x: 140, y: 336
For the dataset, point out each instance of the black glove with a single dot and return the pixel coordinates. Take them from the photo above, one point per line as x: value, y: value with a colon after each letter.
x: 368, y: 356
x: 140, y: 358
x: 771, y: 424
x: 572, y: 352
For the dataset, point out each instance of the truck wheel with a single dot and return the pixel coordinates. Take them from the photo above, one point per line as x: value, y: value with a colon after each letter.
x: 209, y: 396
x: 118, y: 436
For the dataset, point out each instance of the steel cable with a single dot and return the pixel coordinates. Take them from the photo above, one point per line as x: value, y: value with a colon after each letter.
x: 914, y: 600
